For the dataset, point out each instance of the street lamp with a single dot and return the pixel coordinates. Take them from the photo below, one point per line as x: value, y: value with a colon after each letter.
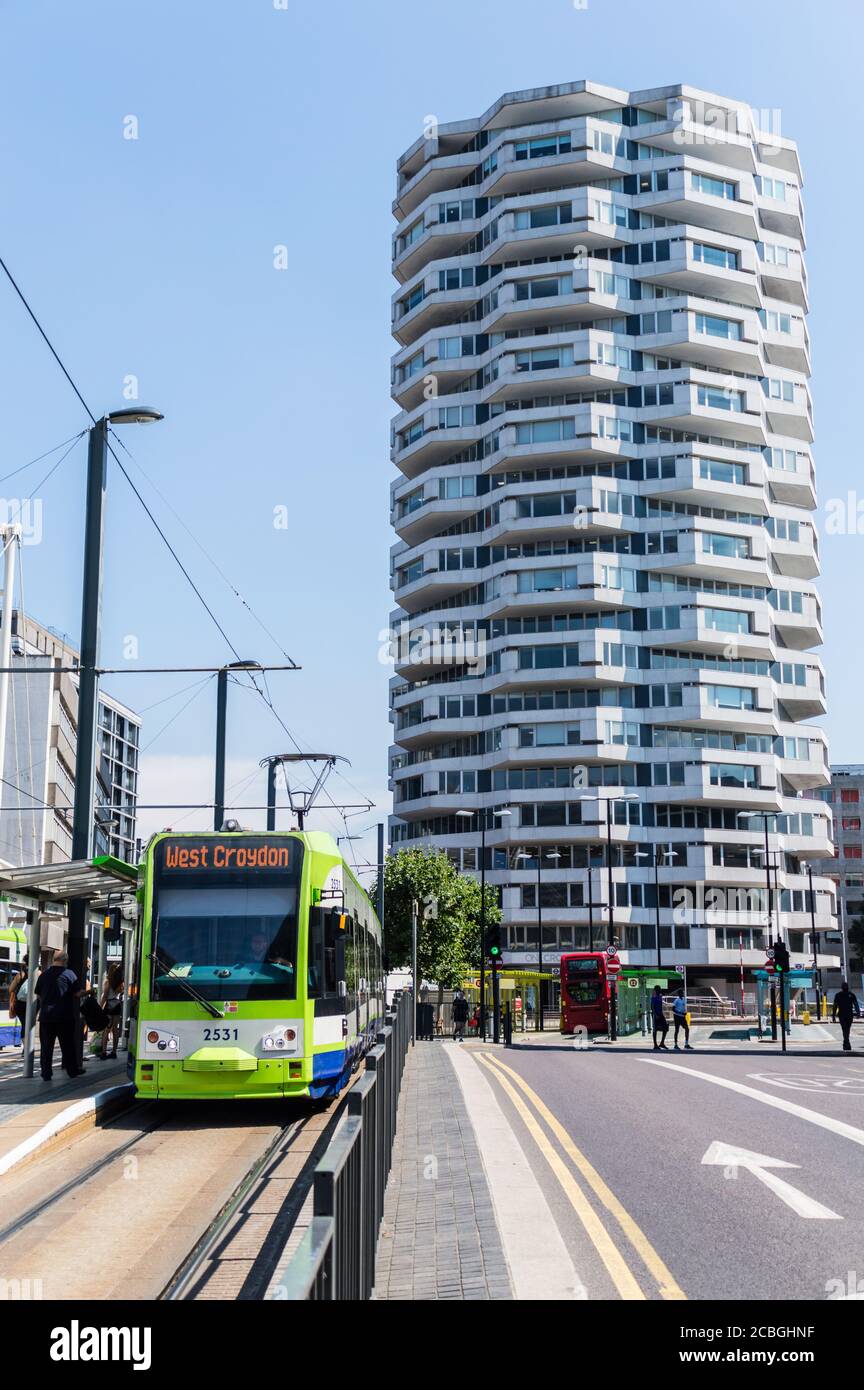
x: 657, y: 854
x: 523, y: 854
x: 482, y: 813
x: 622, y: 796
x: 88, y: 677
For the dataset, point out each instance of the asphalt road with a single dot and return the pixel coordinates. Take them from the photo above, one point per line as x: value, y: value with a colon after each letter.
x: 644, y: 1129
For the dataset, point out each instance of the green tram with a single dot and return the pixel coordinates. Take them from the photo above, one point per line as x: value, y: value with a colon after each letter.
x: 259, y: 968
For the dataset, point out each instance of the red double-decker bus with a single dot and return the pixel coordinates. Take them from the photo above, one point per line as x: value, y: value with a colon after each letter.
x: 584, y: 992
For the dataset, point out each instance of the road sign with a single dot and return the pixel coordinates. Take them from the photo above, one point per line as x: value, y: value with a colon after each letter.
x: 613, y: 965
x: 632, y: 983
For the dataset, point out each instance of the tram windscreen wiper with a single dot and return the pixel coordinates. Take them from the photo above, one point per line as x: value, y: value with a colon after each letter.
x: 168, y: 971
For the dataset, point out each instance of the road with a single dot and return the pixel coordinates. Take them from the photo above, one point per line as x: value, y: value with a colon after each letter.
x: 618, y: 1143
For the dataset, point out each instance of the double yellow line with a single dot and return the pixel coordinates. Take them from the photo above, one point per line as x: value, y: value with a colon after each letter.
x: 619, y: 1270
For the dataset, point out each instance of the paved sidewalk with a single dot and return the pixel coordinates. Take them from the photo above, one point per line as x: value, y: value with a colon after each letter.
x: 439, y: 1238
x: 27, y: 1105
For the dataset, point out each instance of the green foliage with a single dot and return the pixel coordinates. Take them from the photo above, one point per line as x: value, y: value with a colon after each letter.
x: 448, y: 921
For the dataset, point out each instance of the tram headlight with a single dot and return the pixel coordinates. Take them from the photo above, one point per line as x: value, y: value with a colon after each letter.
x: 282, y: 1039
x: 158, y: 1040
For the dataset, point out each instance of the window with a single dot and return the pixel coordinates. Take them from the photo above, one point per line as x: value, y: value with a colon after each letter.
x: 775, y: 322
x: 849, y: 795
x: 851, y: 851
x: 730, y: 547
x: 731, y: 696
x: 715, y: 255
x: 719, y: 398
x: 851, y: 823
x: 770, y: 188
x: 718, y: 471
x: 733, y: 775
x: 542, y: 217
x: 718, y: 327
x: 546, y: 288
x: 726, y: 619
x: 715, y: 188
x: 772, y: 253
x: 542, y: 146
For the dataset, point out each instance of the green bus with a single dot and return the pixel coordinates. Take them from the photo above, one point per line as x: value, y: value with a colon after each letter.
x: 258, y: 968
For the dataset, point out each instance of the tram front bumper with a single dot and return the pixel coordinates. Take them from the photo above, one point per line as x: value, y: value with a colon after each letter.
x: 229, y: 1077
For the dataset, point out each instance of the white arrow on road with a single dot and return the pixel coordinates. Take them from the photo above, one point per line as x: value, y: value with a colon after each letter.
x: 728, y: 1156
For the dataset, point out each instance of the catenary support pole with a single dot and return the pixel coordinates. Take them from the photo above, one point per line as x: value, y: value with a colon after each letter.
x: 221, y: 713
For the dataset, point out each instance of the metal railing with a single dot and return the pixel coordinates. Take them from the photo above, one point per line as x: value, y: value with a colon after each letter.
x: 335, y: 1260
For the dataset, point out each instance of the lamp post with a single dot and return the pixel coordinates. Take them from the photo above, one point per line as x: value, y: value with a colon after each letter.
x: 657, y: 855
x: 523, y: 854
x: 754, y: 815
x: 88, y: 677
x: 623, y: 796
x: 482, y: 813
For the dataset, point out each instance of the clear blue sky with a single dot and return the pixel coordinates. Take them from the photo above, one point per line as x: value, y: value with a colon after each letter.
x: 154, y: 257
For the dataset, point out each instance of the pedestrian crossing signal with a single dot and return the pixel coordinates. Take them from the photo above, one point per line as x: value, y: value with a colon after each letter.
x: 492, y: 943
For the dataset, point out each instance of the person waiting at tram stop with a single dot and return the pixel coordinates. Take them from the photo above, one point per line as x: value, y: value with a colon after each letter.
x: 57, y: 989
x: 659, y: 1022
x: 679, y: 1018
x: 112, y: 1003
x: 846, y: 1006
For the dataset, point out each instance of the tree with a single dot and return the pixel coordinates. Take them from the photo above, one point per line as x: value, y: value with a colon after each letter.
x: 448, y: 918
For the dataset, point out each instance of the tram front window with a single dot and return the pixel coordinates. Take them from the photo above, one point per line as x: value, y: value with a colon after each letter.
x: 227, y: 934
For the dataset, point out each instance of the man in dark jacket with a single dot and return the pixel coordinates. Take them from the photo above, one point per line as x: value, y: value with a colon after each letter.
x: 847, y: 1007
x: 460, y: 1015
x: 56, y: 988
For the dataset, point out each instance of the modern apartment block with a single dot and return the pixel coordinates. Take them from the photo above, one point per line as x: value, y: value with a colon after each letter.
x: 846, y: 869
x: 605, y: 564
x: 37, y: 795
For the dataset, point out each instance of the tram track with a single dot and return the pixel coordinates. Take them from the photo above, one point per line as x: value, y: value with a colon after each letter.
x: 200, y: 1198
x: 80, y: 1179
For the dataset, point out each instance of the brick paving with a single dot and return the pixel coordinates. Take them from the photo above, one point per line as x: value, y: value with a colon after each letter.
x: 439, y: 1238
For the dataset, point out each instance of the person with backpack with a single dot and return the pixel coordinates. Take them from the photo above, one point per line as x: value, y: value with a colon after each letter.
x: 679, y: 1018
x: 460, y: 1015
x: 112, y: 1003
x: 659, y: 1022
x: 57, y: 989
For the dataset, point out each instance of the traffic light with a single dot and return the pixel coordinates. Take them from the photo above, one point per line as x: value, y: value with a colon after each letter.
x: 781, y: 957
x: 492, y: 943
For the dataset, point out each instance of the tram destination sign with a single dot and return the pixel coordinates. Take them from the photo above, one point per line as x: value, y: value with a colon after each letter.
x: 190, y: 854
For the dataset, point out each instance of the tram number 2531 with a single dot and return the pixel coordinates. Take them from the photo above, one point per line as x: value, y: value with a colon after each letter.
x: 220, y: 1034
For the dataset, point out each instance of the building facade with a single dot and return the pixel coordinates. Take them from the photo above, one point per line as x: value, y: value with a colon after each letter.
x: 606, y: 619
x: 38, y: 791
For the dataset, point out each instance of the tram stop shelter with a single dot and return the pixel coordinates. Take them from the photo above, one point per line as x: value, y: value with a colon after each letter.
x: 41, y: 892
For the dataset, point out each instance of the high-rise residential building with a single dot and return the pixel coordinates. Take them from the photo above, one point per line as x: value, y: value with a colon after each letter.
x: 606, y: 554
x: 38, y: 789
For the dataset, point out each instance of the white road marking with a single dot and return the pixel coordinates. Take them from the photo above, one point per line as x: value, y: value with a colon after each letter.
x: 846, y: 1085
x: 730, y: 1157
x: 812, y: 1116
x: 538, y: 1259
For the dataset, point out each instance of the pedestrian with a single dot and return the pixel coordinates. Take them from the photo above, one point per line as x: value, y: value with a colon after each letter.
x: 847, y: 1007
x: 112, y: 1003
x: 57, y: 988
x: 460, y: 1015
x: 18, y: 998
x: 659, y: 1021
x: 474, y: 1021
x: 679, y: 1018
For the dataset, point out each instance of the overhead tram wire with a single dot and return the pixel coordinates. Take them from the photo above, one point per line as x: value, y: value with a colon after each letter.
x: 191, y: 534
x: 267, y: 700
x: 7, y: 272
x: 48, y: 452
x: 208, y: 680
